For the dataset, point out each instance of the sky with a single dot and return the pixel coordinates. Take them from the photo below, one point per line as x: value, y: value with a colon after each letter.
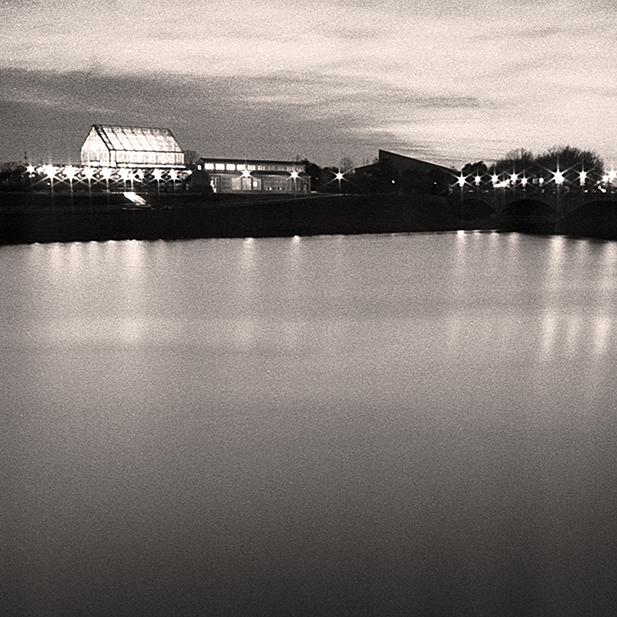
x: 447, y: 81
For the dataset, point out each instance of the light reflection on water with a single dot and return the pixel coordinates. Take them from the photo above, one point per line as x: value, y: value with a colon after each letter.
x: 417, y: 424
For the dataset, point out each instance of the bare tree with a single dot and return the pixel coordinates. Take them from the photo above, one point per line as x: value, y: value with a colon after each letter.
x: 191, y: 157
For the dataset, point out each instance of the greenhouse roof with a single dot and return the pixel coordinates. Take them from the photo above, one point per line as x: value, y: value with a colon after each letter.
x: 137, y: 139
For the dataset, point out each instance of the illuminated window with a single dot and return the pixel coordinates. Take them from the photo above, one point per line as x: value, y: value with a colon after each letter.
x: 220, y: 166
x: 209, y: 166
x: 230, y: 167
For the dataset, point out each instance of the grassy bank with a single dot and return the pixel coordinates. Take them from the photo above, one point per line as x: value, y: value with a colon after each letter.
x: 35, y: 218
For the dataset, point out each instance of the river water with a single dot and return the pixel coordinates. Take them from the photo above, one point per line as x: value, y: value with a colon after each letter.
x: 417, y: 424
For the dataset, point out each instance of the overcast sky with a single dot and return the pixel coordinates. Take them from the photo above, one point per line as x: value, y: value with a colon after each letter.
x: 449, y: 81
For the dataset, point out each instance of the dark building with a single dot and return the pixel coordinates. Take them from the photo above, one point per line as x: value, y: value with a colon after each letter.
x: 243, y: 175
x: 395, y: 172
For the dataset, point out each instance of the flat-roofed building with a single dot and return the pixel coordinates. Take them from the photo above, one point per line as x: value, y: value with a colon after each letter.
x: 243, y: 175
x: 128, y: 146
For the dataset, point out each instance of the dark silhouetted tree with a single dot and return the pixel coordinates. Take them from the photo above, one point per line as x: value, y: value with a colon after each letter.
x: 190, y: 157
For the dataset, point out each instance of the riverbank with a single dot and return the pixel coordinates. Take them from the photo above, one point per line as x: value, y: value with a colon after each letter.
x: 28, y: 218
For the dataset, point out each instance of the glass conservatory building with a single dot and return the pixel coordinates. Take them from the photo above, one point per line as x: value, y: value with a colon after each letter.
x: 235, y: 175
x: 120, y: 146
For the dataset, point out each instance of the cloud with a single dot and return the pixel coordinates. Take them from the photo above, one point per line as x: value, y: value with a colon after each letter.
x: 450, y: 77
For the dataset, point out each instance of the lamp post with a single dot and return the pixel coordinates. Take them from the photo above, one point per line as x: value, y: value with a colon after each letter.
x: 50, y: 172
x: 611, y: 179
x: 106, y: 173
x: 495, y: 182
x: 124, y: 174
x: 173, y: 174
x: 89, y: 174
x: 339, y: 177
x: 158, y: 174
x: 461, y: 183
x: 70, y: 172
x: 294, y: 177
x: 559, y: 178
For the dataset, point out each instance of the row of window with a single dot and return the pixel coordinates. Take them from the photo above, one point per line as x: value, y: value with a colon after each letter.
x: 213, y: 166
x: 226, y: 184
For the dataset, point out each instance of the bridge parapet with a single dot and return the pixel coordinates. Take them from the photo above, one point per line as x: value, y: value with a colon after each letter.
x: 561, y: 199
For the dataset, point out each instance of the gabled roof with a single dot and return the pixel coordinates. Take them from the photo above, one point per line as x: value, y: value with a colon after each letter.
x: 137, y: 139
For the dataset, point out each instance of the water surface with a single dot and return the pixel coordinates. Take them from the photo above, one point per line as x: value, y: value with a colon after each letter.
x: 417, y: 424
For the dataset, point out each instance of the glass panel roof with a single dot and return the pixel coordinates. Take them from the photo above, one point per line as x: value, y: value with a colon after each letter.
x: 138, y: 139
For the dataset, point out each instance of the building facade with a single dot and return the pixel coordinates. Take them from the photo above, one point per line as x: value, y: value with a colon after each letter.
x: 118, y: 146
x: 395, y: 172
x: 242, y: 175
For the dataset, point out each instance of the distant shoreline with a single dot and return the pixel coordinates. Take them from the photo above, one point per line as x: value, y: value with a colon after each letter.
x: 29, y: 217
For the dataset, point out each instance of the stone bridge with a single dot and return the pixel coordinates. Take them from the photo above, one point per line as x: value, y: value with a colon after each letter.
x: 561, y: 200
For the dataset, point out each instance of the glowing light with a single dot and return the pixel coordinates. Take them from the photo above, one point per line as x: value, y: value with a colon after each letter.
x: 559, y: 177
x: 125, y: 174
x: 524, y: 181
x: 461, y: 181
x: 495, y: 178
x: 612, y: 174
x: 139, y: 174
x: 89, y: 173
x: 477, y: 180
x: 158, y: 174
x: 136, y: 199
x: 605, y: 178
x: 246, y: 173
x: 173, y: 174
x: 541, y: 181
x: 514, y: 176
x: 106, y: 173
x: 294, y: 174
x: 70, y: 172
x: 339, y: 176
x: 583, y: 176
x: 30, y: 169
x: 49, y: 170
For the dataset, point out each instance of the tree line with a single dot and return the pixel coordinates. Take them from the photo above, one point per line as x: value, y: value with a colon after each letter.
x: 569, y: 161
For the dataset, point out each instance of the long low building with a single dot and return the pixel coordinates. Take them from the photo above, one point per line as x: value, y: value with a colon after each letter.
x: 244, y: 175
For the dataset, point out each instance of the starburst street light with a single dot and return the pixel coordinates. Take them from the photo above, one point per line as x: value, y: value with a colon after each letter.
x: 339, y: 177
x: 559, y: 178
x: 70, y: 172
x: 494, y: 179
x: 461, y: 181
x: 583, y: 176
x: 89, y: 174
x: 477, y: 180
x: 49, y: 171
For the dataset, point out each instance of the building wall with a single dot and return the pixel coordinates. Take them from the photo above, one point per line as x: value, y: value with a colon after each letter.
x: 231, y: 176
x: 96, y: 152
